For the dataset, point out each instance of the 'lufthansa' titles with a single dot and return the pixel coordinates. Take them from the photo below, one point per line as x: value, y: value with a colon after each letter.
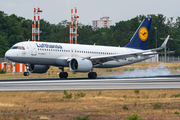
x: 48, y: 46
x: 143, y: 33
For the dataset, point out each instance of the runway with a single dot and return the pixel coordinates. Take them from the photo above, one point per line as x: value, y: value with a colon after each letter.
x: 102, y: 83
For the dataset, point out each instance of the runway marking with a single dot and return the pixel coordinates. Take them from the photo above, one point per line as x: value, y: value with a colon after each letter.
x: 97, y: 80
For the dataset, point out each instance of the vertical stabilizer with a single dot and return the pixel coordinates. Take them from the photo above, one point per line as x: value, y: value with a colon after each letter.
x: 140, y: 38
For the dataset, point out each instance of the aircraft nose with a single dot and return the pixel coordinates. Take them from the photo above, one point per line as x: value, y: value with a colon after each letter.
x: 8, y: 54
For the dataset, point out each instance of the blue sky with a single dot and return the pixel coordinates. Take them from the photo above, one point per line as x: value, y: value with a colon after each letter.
x: 54, y: 11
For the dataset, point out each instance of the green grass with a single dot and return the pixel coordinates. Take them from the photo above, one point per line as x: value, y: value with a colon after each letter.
x: 125, y: 107
x: 156, y: 105
x: 83, y: 118
x: 133, y: 117
x: 176, y: 112
x: 177, y: 95
x: 67, y: 95
x: 2, y: 71
x: 79, y: 95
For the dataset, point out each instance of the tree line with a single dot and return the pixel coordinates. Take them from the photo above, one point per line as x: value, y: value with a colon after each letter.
x: 15, y: 29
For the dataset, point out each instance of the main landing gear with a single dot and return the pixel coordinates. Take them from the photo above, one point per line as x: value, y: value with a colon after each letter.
x: 27, y: 68
x: 92, y: 75
x: 63, y: 75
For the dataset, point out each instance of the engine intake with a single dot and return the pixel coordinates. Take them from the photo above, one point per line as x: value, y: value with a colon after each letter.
x: 80, y: 65
x: 38, y: 68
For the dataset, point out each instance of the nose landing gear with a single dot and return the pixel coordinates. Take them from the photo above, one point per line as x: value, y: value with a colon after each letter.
x: 26, y: 73
x: 27, y: 69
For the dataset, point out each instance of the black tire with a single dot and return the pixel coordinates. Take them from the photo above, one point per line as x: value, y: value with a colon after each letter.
x: 63, y: 75
x: 92, y: 75
x: 89, y: 75
x: 26, y: 73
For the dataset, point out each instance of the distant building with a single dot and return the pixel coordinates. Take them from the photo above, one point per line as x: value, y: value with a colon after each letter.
x: 102, y: 23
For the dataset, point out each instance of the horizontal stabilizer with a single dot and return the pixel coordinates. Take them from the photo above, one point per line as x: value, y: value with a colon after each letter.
x: 169, y: 52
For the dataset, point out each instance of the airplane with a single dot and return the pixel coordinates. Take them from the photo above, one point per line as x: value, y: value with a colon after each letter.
x: 38, y: 56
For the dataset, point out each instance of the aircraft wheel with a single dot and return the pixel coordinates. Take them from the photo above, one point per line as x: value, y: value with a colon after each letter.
x: 63, y: 75
x: 26, y: 73
x: 92, y: 75
x: 89, y: 75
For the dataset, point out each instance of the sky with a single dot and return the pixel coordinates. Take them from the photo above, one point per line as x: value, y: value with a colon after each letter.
x: 54, y: 11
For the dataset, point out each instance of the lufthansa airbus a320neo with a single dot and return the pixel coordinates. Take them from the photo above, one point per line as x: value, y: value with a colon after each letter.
x: 38, y: 56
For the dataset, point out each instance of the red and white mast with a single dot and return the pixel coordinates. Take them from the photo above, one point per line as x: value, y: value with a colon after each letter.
x: 73, y: 32
x: 71, y: 28
x: 39, y: 24
x: 34, y: 29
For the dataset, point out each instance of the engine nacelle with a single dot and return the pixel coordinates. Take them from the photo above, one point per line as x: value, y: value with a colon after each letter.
x: 38, y: 68
x: 80, y: 65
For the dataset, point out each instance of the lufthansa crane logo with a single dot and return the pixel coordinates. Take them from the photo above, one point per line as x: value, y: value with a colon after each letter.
x: 143, y: 33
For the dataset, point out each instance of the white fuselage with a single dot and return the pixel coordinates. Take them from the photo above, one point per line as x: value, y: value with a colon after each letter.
x: 57, y: 54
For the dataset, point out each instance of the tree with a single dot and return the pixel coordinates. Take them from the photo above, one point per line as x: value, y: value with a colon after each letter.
x: 3, y: 44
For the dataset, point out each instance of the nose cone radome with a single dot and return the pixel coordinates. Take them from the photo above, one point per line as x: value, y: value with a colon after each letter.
x: 8, y: 54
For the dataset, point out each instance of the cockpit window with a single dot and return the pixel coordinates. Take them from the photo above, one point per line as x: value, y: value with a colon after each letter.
x: 21, y: 48
x: 14, y: 47
x: 18, y: 47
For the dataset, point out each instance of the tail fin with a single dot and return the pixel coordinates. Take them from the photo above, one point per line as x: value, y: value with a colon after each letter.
x: 140, y: 38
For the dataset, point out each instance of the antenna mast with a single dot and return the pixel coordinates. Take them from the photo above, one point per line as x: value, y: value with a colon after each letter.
x: 73, y: 32
x: 34, y: 29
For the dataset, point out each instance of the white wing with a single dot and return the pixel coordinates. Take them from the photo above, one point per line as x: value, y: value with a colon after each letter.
x: 105, y: 58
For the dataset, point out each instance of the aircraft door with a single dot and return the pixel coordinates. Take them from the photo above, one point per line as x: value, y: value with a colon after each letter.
x: 73, y: 52
x: 33, y: 49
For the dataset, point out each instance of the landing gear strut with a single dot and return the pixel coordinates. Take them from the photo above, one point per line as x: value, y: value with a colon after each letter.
x: 27, y: 69
x: 63, y: 74
x: 92, y: 75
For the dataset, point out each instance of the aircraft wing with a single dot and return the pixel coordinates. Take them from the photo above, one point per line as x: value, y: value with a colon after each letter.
x: 117, y: 57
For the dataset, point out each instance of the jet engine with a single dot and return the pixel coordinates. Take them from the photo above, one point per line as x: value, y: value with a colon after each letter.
x: 80, y: 65
x: 38, y: 68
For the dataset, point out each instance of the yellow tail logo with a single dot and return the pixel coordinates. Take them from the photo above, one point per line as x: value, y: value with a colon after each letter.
x: 143, y: 33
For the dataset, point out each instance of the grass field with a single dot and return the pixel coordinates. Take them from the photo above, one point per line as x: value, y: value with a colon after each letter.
x: 98, y: 104
x: 54, y: 71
